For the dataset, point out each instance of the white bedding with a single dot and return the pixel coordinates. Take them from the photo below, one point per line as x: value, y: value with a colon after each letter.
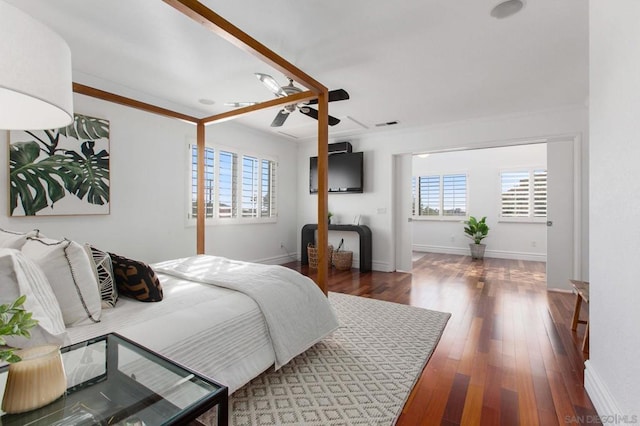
x: 219, y: 332
x: 296, y: 312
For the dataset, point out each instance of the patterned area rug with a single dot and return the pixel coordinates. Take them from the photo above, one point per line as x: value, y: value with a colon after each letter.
x: 360, y: 375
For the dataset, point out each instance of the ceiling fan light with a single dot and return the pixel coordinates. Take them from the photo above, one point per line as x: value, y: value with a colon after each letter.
x: 35, y: 74
x: 507, y: 8
x: 268, y: 81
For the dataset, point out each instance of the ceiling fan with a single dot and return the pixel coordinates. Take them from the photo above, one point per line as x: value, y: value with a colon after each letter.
x: 281, y: 91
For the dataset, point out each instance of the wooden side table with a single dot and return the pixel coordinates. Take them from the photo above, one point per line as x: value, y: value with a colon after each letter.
x: 582, y: 293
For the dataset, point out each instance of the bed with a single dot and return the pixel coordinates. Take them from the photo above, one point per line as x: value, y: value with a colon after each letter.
x: 227, y: 319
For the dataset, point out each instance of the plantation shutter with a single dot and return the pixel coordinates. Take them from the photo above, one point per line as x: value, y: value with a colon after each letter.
x: 209, y: 178
x: 454, y: 195
x: 250, y: 187
x: 413, y: 195
x: 268, y: 189
x: 227, y: 185
x: 429, y: 195
x: 540, y: 193
x: 515, y: 194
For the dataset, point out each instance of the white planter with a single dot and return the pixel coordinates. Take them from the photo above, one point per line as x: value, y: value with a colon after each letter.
x: 477, y: 250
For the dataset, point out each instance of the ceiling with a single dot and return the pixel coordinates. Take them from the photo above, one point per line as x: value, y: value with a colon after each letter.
x: 419, y: 62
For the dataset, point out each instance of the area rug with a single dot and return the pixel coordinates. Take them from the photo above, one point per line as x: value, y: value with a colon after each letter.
x: 360, y: 375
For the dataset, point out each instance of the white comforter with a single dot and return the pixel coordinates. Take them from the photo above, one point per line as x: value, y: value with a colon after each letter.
x: 296, y: 312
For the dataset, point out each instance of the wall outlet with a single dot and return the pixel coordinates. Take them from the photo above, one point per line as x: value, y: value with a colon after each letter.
x: 453, y: 238
x: 534, y: 244
x: 281, y: 245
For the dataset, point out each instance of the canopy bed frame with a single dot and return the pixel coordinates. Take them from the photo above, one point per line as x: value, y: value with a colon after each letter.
x: 223, y: 28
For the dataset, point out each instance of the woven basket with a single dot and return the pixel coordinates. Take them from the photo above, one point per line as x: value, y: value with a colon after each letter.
x: 312, y: 254
x: 342, y: 260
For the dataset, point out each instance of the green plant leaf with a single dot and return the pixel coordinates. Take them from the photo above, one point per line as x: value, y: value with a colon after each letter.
x: 477, y: 230
x: 14, y: 321
x: 8, y: 356
x: 19, y: 301
x: 33, y: 183
x: 87, y: 174
x: 85, y: 127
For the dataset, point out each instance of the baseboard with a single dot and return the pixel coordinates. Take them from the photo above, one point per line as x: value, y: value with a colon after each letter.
x: 380, y: 266
x: 278, y: 260
x: 499, y: 254
x: 561, y: 290
x: 604, y: 403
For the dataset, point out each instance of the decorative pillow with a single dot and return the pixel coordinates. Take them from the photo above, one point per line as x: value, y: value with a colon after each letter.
x: 103, y: 270
x: 136, y: 279
x: 20, y: 276
x: 69, y: 271
x: 15, y: 240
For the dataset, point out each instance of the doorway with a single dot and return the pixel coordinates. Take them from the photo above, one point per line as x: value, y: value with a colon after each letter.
x: 518, y: 238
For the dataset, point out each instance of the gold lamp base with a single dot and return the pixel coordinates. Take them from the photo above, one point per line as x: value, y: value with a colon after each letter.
x: 36, y: 381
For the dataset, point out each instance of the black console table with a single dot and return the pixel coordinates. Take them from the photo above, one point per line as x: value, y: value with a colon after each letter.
x: 309, y: 236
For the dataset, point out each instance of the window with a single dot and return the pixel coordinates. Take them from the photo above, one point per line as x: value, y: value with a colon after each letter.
x: 524, y: 193
x: 268, y: 188
x: 249, y: 186
x: 454, y: 195
x: 540, y: 193
x: 413, y: 196
x: 237, y: 186
x: 440, y: 195
x: 208, y: 181
x: 429, y: 195
x: 227, y: 185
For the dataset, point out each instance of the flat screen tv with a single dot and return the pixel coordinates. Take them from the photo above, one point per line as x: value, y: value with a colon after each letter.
x: 345, y: 173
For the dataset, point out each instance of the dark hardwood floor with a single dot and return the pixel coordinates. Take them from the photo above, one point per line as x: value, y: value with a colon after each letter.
x: 507, y: 356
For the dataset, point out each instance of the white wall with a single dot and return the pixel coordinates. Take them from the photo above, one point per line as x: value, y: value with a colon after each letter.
x: 513, y: 240
x: 149, y: 191
x: 612, y: 377
x: 376, y: 204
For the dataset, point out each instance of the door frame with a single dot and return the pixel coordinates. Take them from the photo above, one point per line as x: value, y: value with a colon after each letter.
x: 399, y: 221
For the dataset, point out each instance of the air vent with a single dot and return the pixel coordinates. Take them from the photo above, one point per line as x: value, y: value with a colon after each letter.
x: 388, y: 123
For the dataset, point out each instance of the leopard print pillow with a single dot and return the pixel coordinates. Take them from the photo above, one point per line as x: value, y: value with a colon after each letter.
x: 136, y: 279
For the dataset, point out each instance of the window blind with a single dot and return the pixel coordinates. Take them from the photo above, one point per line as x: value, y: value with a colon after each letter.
x: 454, y: 195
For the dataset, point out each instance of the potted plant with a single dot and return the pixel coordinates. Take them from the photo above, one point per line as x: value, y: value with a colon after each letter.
x: 477, y: 230
x: 36, y: 375
x: 14, y: 321
x: 329, y: 215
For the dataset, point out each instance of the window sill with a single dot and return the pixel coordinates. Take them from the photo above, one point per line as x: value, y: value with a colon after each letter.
x: 439, y: 218
x: 191, y: 223
x: 540, y: 220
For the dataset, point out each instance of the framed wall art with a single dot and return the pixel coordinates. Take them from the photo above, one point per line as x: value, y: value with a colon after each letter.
x: 60, y: 171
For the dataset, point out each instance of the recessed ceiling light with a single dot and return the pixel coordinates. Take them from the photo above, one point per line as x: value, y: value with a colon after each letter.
x: 507, y: 8
x: 206, y: 101
x: 423, y: 155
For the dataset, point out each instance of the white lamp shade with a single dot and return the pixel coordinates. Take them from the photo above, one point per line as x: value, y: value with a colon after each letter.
x: 35, y: 74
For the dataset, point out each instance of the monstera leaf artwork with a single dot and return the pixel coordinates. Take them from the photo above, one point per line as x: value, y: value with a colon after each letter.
x: 62, y: 171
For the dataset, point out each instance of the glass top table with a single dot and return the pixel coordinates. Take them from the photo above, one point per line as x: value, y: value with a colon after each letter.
x: 114, y: 381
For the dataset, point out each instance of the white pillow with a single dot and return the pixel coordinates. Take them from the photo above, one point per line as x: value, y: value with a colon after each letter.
x: 20, y: 276
x: 15, y: 240
x: 69, y: 271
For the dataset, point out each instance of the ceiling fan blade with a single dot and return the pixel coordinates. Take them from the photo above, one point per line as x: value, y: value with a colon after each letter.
x: 280, y: 118
x: 313, y: 113
x: 271, y: 84
x: 334, y: 95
